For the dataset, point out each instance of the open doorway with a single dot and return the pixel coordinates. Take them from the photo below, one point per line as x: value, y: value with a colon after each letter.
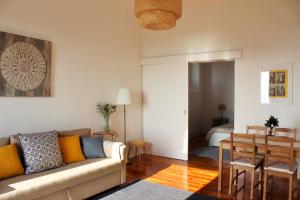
x: 211, y: 106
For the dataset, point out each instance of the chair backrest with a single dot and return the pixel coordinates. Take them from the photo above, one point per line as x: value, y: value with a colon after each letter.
x: 260, y: 130
x: 286, y: 132
x: 243, y: 146
x: 279, y: 149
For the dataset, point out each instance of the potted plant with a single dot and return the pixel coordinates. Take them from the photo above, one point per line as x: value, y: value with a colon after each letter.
x: 271, y: 123
x: 106, y: 110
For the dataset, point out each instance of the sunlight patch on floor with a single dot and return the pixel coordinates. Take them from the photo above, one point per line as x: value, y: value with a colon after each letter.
x: 184, y: 177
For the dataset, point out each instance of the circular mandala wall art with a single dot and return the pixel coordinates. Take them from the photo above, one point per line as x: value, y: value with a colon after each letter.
x: 23, y: 66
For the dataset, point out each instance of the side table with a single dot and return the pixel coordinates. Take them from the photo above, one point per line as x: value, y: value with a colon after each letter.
x: 112, y: 134
x: 137, y: 145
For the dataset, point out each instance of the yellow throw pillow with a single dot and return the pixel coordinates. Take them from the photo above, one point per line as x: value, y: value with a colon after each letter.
x: 70, y: 149
x: 10, y: 163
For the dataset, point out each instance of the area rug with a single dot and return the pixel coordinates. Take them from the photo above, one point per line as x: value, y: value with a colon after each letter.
x: 144, y: 190
x: 211, y: 152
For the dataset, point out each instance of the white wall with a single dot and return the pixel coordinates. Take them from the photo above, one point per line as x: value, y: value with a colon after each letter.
x: 96, y: 50
x: 268, y: 31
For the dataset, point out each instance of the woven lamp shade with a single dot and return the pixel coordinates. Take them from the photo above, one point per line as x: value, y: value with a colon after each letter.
x: 158, y: 14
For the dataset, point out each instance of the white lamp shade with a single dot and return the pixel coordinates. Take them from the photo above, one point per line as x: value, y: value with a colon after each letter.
x: 124, y: 97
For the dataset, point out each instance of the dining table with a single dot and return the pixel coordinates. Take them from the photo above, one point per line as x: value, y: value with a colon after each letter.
x: 260, y: 145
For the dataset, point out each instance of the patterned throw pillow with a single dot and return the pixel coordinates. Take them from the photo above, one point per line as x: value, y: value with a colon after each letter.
x: 41, y: 151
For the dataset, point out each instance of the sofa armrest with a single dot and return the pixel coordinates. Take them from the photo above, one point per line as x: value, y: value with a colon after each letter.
x: 114, y: 150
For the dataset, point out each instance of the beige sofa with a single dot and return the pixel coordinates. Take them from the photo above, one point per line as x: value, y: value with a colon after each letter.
x: 71, y: 182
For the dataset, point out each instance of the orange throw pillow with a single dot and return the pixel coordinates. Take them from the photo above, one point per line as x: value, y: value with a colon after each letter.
x: 10, y: 163
x: 70, y: 149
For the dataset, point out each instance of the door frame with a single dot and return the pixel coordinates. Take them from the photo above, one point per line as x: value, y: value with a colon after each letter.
x: 213, y: 56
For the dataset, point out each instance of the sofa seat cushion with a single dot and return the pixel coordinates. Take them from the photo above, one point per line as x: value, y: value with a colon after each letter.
x: 43, y: 183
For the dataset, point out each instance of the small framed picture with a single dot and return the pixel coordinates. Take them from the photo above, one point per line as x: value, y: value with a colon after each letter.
x: 277, y: 84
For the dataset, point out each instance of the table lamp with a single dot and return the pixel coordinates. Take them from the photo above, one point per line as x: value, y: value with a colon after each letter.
x: 222, y: 108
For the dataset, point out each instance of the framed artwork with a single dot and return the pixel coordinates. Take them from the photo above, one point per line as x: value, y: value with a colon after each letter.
x: 276, y: 84
x: 25, y: 66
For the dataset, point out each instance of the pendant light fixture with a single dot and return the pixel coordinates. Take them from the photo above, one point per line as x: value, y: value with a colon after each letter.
x: 158, y: 14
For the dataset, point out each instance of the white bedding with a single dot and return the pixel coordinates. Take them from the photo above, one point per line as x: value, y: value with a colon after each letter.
x: 219, y: 133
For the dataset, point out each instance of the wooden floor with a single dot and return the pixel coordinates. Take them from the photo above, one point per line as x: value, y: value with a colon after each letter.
x: 197, y: 142
x: 198, y: 175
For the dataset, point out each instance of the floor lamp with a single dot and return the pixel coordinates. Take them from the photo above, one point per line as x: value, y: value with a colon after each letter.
x: 124, y: 99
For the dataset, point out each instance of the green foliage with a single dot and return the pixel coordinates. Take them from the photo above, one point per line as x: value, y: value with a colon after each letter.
x: 272, y: 122
x: 106, y: 109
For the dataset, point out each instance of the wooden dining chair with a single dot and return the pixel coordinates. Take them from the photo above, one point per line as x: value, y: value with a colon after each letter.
x: 243, y: 159
x: 260, y: 130
x: 279, y: 161
x: 286, y: 132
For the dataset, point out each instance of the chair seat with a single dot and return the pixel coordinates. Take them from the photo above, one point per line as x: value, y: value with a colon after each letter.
x: 262, y: 155
x: 247, y: 162
x: 282, y: 167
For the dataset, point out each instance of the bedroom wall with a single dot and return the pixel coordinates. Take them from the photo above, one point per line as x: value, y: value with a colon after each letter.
x: 267, y: 31
x: 92, y: 58
x: 218, y: 89
x: 211, y: 84
x: 195, y: 99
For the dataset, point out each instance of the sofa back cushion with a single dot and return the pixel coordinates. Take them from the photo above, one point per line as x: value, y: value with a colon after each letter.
x: 80, y: 132
x: 14, y: 139
x: 41, y: 151
x: 4, y: 141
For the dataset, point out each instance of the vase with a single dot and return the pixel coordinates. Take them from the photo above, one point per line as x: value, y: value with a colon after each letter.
x: 107, y: 123
x: 270, y: 131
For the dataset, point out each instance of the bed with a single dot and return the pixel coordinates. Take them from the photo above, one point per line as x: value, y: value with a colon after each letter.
x: 219, y: 133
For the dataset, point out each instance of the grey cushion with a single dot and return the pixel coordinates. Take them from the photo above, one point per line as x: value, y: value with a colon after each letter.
x: 41, y: 151
x: 92, y: 147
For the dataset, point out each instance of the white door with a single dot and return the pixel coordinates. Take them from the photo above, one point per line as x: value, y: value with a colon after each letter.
x: 165, y: 106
